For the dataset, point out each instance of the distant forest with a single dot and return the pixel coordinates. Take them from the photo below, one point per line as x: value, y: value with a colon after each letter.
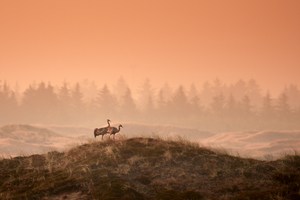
x: 212, y: 106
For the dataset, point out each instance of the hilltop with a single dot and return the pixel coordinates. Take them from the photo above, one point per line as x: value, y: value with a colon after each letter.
x: 147, y: 168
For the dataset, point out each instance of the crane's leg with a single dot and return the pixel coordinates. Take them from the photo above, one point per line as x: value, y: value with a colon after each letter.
x: 95, y: 131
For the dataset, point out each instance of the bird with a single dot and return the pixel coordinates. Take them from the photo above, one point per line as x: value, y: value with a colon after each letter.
x: 102, y: 131
x: 114, y: 130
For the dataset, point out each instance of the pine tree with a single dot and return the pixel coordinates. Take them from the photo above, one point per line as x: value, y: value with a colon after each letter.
x: 147, y: 98
x: 78, y: 111
x: 8, y: 104
x: 267, y: 110
x: 254, y: 93
x: 106, y: 103
x: 193, y: 98
x: 120, y: 90
x: 293, y: 95
x: 64, y: 104
x: 128, y: 107
x: 218, y: 105
x: 39, y: 104
x: 180, y: 104
x: 245, y: 107
x: 283, y: 108
x: 206, y: 94
x: 231, y: 107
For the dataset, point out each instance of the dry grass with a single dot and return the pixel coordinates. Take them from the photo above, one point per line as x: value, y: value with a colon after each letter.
x: 147, y: 168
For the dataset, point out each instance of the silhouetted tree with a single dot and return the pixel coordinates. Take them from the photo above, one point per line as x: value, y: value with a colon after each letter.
x: 164, y: 103
x: 106, y: 103
x: 161, y: 100
x: 77, y: 104
x: 147, y: 100
x: 29, y: 99
x: 254, y: 93
x: 76, y: 96
x: 164, y: 97
x: 64, y: 94
x: 89, y: 91
x: 39, y: 104
x: 217, y: 87
x: 8, y: 104
x: 65, y: 104
x: 293, y: 95
x: 180, y: 107
x: 206, y: 94
x: 120, y: 90
x: 239, y: 89
x: 231, y: 107
x: 128, y: 107
x: 267, y: 110
x: 245, y: 107
x: 283, y: 108
x: 218, y: 105
x: 194, y: 101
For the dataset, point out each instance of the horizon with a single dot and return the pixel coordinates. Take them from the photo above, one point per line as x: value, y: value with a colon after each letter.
x: 85, y: 84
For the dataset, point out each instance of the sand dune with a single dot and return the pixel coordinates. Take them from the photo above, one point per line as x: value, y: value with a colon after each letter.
x: 26, y: 139
x: 259, y: 144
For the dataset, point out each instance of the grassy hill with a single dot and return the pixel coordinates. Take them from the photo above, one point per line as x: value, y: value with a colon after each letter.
x: 147, y: 168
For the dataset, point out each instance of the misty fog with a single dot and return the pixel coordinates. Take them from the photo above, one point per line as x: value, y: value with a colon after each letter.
x: 213, y: 106
x: 241, y: 117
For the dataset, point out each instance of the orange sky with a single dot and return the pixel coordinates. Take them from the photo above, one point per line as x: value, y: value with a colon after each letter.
x: 175, y: 41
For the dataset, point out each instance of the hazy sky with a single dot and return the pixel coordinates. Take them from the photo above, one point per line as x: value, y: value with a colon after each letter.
x: 174, y: 41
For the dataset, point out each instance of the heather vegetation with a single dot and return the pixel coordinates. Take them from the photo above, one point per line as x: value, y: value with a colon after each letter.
x: 147, y: 168
x: 213, y: 106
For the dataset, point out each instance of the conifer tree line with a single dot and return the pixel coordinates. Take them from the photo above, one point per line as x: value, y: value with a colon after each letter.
x: 214, y: 105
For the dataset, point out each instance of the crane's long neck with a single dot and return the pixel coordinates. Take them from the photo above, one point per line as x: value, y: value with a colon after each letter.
x: 119, y: 128
x: 108, y: 122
